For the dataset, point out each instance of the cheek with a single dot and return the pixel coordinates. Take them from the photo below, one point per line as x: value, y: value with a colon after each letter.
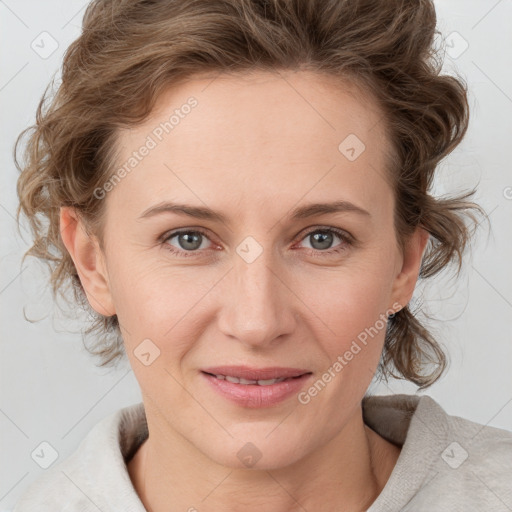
x: 156, y: 310
x: 153, y: 298
x: 357, y: 292
x: 352, y: 304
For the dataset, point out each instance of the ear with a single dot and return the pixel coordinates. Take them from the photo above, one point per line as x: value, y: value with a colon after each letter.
x: 405, y: 281
x: 89, y: 261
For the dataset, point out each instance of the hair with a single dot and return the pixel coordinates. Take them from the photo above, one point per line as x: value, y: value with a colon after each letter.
x: 131, y: 51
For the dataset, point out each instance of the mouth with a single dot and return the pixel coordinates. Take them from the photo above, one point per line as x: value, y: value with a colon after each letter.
x: 255, y: 388
x: 259, y: 382
x: 260, y: 376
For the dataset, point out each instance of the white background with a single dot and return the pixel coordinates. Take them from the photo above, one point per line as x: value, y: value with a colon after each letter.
x: 50, y: 388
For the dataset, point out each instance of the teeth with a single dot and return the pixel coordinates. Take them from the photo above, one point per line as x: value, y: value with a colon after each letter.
x: 270, y: 381
x: 262, y: 382
x: 245, y: 381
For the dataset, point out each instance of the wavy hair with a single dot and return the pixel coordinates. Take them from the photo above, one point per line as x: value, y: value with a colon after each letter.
x: 131, y: 51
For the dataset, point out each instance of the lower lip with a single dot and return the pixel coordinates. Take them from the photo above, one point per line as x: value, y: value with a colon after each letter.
x: 254, y: 395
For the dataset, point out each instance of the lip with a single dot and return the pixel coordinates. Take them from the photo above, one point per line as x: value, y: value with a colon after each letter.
x: 254, y: 395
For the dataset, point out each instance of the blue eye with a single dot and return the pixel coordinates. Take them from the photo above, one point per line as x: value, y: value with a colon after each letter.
x: 324, y: 238
x: 191, y: 240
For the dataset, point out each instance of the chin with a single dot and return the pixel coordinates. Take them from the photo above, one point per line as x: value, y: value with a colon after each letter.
x: 262, y: 451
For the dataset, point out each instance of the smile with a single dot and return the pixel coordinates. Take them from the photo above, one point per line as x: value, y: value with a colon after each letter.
x: 252, y: 388
x: 261, y: 382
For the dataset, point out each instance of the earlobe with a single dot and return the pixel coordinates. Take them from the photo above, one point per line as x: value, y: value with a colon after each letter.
x: 89, y: 261
x: 405, y: 281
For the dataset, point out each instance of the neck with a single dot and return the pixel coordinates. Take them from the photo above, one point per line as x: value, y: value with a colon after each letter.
x: 346, y: 473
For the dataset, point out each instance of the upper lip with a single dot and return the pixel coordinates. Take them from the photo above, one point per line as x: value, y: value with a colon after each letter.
x: 249, y: 373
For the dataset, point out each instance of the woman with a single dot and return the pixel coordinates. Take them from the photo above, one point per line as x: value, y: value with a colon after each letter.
x: 240, y: 191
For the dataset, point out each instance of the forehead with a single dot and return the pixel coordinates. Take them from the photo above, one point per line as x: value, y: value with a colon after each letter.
x: 250, y: 134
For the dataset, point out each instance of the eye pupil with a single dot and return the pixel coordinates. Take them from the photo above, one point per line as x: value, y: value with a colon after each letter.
x: 325, y: 239
x: 189, y: 238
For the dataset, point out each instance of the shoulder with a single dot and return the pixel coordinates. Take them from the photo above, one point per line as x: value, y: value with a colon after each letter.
x: 447, y: 463
x: 65, y: 496
x: 467, y: 440
x: 94, y: 477
x: 471, y: 463
x: 403, y: 417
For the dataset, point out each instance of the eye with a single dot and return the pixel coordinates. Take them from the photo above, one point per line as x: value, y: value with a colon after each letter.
x: 188, y: 242
x: 321, y: 239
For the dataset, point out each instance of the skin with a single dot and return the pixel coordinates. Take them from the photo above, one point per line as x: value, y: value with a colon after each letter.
x: 255, y: 147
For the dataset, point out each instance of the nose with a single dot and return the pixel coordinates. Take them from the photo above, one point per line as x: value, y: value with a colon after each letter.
x: 257, y: 305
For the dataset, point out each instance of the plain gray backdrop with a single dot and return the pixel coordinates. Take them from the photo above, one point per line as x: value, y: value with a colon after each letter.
x: 51, y: 390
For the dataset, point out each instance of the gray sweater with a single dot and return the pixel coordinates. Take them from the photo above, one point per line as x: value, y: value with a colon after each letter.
x: 447, y: 463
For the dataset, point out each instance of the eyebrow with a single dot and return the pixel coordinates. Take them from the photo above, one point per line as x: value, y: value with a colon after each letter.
x: 301, y: 212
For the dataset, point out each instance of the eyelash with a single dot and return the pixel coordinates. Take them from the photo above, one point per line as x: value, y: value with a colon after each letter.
x: 346, y: 241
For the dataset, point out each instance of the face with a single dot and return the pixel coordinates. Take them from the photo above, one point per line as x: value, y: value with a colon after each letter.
x: 265, y: 280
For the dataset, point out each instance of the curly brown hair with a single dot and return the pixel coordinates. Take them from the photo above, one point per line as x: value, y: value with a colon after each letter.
x: 130, y: 51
